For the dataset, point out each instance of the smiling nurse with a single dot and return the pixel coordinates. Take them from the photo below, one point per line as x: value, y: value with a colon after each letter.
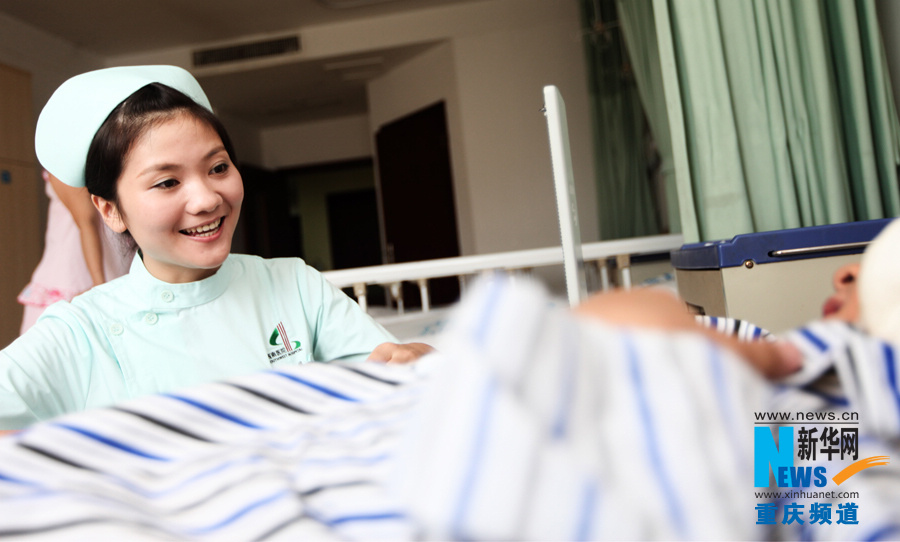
x: 160, y: 169
x: 179, y: 196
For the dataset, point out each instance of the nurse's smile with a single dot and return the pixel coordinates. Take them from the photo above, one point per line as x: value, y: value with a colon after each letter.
x: 205, y: 231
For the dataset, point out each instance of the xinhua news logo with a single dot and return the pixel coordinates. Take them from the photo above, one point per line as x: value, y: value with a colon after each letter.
x: 807, y: 462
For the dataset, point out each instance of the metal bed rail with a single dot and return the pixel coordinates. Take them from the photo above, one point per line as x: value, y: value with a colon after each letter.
x: 597, y: 254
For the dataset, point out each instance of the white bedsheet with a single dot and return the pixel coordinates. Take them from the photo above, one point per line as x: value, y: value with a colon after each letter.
x: 413, y: 326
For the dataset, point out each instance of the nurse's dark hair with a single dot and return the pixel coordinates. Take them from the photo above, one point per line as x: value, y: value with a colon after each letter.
x: 147, y: 107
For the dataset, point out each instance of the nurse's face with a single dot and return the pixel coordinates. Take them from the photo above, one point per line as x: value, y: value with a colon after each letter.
x: 180, y: 198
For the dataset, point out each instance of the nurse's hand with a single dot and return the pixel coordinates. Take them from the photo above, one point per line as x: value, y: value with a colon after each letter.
x: 399, y: 353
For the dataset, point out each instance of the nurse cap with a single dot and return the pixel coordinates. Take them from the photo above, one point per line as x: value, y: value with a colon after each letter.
x: 74, y: 113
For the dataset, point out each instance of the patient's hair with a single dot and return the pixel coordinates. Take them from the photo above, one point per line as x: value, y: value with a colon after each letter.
x: 145, y: 108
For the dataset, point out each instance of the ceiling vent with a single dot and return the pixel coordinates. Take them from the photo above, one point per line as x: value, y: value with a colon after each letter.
x: 246, y: 51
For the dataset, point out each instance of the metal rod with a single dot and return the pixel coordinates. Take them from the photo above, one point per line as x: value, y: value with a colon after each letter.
x: 423, y: 290
x: 359, y: 290
x: 823, y: 248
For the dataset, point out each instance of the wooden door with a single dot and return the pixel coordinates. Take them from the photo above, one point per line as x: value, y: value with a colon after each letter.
x: 22, y: 204
x: 353, y: 234
x: 353, y: 229
x: 21, y: 240
x: 16, y: 123
x: 415, y: 189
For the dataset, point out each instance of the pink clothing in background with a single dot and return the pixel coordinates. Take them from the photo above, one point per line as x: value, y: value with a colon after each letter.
x: 62, y: 272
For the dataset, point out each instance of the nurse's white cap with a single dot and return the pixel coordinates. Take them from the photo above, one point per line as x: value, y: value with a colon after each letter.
x: 79, y: 107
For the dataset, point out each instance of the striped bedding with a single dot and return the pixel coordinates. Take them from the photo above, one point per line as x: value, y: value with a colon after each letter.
x: 528, y: 425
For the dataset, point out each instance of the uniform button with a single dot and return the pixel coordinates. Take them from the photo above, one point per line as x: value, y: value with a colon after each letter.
x: 116, y: 329
x: 150, y: 318
x: 167, y: 296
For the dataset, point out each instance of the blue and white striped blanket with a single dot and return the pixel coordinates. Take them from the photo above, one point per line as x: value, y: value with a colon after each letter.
x: 529, y: 424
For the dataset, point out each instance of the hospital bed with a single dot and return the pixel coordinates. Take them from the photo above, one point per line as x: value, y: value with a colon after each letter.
x: 539, y: 427
x: 607, y: 264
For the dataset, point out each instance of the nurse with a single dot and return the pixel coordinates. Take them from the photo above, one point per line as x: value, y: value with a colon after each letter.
x: 160, y: 169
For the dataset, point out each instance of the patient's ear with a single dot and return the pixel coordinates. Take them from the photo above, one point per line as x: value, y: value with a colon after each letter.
x: 110, y: 214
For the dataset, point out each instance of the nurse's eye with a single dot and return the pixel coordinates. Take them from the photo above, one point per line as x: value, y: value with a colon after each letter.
x: 219, y: 169
x: 168, y: 183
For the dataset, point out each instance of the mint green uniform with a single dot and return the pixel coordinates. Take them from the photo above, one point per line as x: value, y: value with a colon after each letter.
x: 137, y: 335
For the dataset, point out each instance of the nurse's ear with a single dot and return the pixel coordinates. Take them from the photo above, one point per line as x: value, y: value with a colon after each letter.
x: 110, y: 214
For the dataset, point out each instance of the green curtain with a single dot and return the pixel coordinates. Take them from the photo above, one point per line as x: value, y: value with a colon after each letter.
x: 623, y: 161
x: 643, y: 50
x: 780, y: 111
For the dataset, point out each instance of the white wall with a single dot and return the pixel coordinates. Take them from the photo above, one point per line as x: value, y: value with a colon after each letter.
x: 501, y: 75
x: 49, y: 60
x: 332, y: 140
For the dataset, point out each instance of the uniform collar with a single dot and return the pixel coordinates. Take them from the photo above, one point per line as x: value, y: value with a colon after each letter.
x: 160, y: 295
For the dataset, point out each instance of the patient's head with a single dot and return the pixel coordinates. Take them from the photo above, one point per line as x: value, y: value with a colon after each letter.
x: 868, y: 293
x: 879, y: 285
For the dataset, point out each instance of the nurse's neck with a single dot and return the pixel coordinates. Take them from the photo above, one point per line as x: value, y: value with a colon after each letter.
x: 176, y: 274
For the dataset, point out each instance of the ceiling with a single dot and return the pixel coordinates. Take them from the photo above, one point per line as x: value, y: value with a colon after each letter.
x: 280, y: 94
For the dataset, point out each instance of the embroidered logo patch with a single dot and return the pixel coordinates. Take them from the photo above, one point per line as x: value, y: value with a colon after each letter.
x: 284, y: 345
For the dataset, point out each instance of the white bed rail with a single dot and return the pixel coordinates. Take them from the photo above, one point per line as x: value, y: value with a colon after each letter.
x: 393, y: 275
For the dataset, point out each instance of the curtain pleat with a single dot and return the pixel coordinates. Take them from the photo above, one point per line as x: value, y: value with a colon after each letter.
x: 881, y: 109
x: 624, y: 188
x: 640, y: 41
x: 788, y: 112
